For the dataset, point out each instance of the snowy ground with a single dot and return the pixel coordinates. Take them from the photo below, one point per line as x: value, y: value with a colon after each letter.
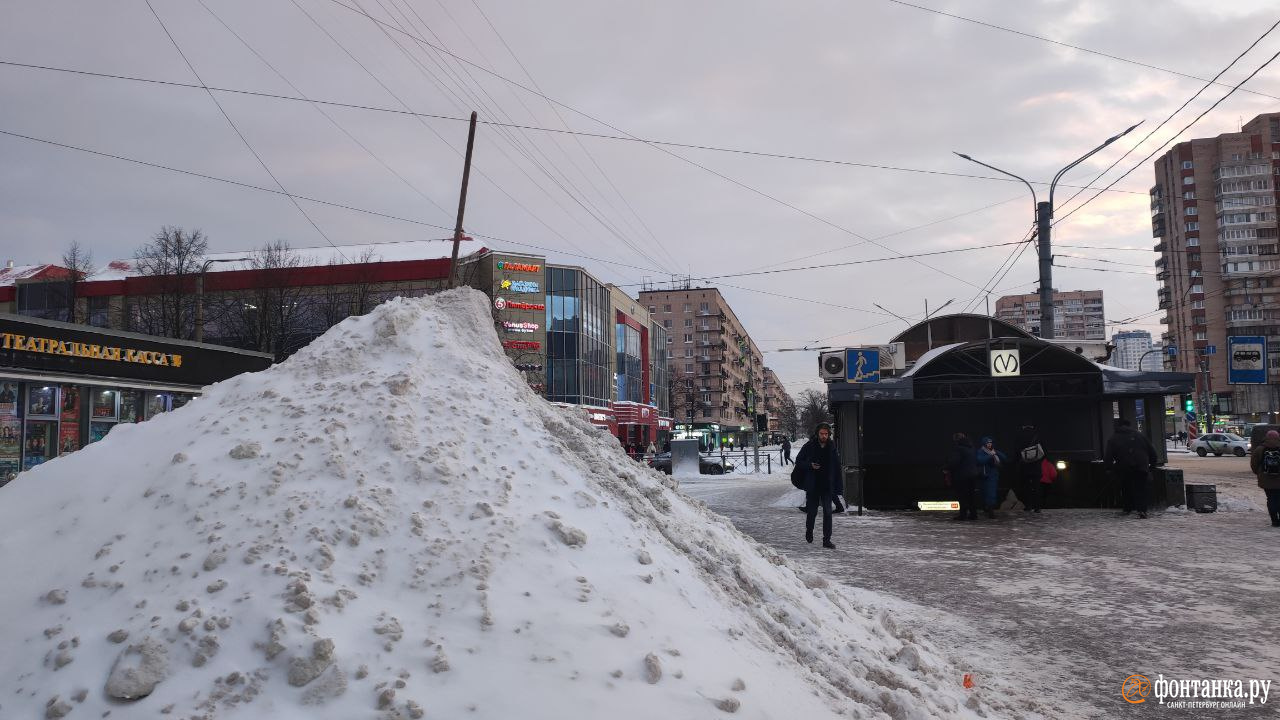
x: 1068, y: 602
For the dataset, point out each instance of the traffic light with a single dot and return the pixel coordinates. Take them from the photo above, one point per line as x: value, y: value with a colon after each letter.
x: 1190, y: 405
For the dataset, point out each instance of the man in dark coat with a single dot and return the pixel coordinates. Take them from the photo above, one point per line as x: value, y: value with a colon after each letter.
x: 1130, y: 455
x: 786, y: 451
x: 962, y: 465
x: 819, y: 461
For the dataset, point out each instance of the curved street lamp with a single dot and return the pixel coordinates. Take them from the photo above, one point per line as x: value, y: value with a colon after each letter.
x: 1044, y: 217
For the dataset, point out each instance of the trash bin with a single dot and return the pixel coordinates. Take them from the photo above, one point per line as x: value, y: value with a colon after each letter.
x: 1202, y: 498
x: 1174, y: 492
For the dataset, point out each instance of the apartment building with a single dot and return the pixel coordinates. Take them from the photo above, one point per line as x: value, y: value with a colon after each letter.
x: 717, y: 372
x: 1134, y: 350
x: 1078, y: 314
x: 1213, y: 217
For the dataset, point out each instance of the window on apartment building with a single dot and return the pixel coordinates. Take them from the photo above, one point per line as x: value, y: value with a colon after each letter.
x: 704, y: 307
x: 1189, y: 180
x: 653, y: 309
x: 688, y: 337
x: 666, y: 323
x: 688, y: 322
x: 1191, y: 210
x: 688, y: 352
x: 1193, y: 242
x: 1191, y: 226
x: 1197, y: 304
x: 99, y: 311
x: 670, y: 339
x: 1236, y: 156
x: 1201, y: 335
x: 1189, y: 195
x: 1187, y: 165
x: 1197, y: 289
x: 666, y: 308
x: 688, y: 368
x: 706, y: 368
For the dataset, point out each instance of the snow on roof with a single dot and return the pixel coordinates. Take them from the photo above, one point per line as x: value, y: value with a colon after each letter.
x: 310, y: 257
x: 10, y: 275
x: 926, y: 358
x: 391, y: 520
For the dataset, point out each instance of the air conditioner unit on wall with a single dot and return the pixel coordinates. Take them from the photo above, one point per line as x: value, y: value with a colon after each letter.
x: 831, y: 366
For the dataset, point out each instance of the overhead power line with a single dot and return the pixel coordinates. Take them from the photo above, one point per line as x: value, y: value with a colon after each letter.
x: 1033, y: 36
x: 537, y: 128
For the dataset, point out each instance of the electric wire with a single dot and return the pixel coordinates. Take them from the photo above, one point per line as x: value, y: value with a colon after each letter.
x: 1033, y: 36
x: 241, y: 135
x: 536, y: 128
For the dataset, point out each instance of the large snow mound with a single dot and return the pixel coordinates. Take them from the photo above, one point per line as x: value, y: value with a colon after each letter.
x: 392, y: 524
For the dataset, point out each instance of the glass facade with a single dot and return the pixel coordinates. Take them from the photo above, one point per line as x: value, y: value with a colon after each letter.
x: 658, y: 369
x: 630, y: 364
x: 41, y: 420
x: 577, y: 340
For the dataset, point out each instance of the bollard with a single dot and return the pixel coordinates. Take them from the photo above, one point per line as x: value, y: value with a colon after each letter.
x: 770, y: 459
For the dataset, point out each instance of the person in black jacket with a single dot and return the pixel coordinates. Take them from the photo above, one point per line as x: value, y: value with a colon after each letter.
x: 819, y: 461
x: 1029, y: 456
x: 962, y: 465
x: 786, y: 451
x: 1130, y: 455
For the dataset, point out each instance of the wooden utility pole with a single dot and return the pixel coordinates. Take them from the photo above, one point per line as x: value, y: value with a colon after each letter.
x: 462, y: 203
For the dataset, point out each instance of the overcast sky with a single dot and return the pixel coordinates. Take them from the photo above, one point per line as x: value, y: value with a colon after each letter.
x: 869, y: 82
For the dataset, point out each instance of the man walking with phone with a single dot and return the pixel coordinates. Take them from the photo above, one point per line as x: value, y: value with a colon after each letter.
x: 819, y: 465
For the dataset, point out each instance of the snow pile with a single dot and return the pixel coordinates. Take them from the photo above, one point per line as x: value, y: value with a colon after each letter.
x: 392, y: 525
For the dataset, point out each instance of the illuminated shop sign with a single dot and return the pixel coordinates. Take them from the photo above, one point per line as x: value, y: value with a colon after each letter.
x: 521, y: 344
x: 50, y: 346
x: 520, y: 286
x: 502, y: 303
x: 518, y: 267
x: 529, y: 367
x: 524, y: 327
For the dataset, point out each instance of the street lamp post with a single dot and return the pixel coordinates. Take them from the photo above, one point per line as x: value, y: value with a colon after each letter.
x: 1044, y: 219
x: 200, y: 292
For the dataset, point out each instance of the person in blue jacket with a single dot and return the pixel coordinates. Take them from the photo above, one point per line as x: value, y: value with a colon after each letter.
x: 819, y: 462
x: 989, y: 461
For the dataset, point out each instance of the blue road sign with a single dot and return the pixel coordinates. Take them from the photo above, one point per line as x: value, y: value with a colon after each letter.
x: 1191, y: 416
x: 1172, y: 350
x: 1247, y: 360
x: 862, y: 365
x: 1210, y: 349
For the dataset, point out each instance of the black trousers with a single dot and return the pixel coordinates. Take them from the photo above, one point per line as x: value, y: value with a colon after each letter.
x: 812, y: 499
x: 1133, y: 488
x: 1032, y: 492
x: 966, y: 490
x: 786, y: 457
x: 1273, y: 504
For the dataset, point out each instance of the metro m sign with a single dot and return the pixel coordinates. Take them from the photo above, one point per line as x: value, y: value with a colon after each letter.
x: 1005, y: 363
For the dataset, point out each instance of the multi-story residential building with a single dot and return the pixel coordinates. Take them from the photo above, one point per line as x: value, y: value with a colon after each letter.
x: 1135, y: 351
x: 1213, y: 215
x: 1078, y: 314
x: 777, y: 402
x: 717, y: 372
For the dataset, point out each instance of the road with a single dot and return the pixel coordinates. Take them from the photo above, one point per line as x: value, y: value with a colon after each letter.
x: 1067, y: 603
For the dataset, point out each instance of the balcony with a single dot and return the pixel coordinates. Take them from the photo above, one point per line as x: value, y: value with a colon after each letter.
x: 1160, y: 246
x: 1158, y: 228
x: 1162, y: 275
x: 1164, y: 320
x: 1160, y: 262
x: 710, y: 313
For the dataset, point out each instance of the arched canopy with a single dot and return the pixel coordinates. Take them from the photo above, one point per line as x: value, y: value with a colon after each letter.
x: 958, y: 328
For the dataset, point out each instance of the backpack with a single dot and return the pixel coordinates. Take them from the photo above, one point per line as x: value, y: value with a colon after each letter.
x: 797, y: 476
x: 1270, y: 461
x: 1032, y: 454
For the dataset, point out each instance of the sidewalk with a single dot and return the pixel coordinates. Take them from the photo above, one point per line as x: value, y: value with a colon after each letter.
x: 1075, y: 600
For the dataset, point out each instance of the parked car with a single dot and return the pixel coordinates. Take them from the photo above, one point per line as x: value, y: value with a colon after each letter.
x: 1219, y: 443
x: 706, y: 465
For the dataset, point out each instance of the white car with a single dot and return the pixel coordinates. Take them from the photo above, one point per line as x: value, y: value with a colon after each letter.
x: 1219, y: 443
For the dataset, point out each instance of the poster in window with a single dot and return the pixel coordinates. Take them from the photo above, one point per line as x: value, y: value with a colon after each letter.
x: 10, y: 438
x: 41, y: 400
x: 129, y: 406
x: 70, y: 403
x: 99, y: 430
x: 69, y: 437
x: 104, y: 404
x: 156, y: 404
x: 8, y: 398
x: 39, y: 443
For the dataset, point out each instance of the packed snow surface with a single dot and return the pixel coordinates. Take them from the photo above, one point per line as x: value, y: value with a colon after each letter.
x: 391, y: 524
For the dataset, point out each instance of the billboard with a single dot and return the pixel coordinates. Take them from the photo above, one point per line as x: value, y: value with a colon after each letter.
x: 1247, y: 360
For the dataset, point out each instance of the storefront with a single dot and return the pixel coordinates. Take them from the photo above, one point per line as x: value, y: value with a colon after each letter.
x: 63, y: 386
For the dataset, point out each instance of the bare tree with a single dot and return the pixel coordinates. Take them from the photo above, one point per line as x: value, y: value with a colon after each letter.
x: 272, y: 316
x: 171, y: 261
x: 788, y: 417
x: 813, y: 409
x: 79, y: 264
